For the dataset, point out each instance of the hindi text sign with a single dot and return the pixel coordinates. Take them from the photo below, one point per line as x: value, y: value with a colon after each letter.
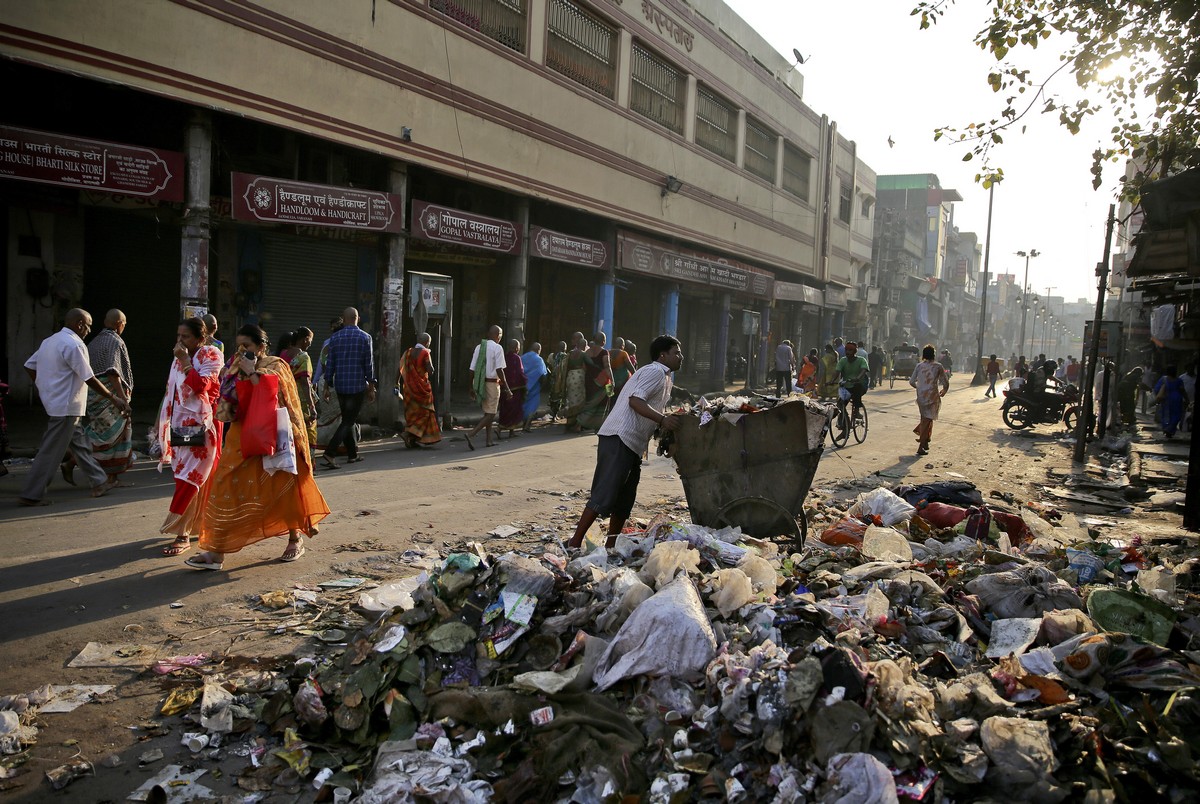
x: 551, y: 245
x: 267, y: 200
x: 447, y: 225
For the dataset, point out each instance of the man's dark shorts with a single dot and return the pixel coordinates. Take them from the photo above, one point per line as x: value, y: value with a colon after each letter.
x: 615, y: 483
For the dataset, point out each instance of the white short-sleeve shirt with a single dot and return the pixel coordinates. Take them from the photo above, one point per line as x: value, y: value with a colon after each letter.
x: 495, y: 359
x: 63, y: 369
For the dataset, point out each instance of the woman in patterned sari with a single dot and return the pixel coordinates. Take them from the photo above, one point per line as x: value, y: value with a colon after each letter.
x: 412, y: 378
x: 301, y: 364
x: 598, y: 381
x: 246, y: 502
x: 622, y: 365
x: 574, y: 383
x: 193, y: 386
x: 109, y: 432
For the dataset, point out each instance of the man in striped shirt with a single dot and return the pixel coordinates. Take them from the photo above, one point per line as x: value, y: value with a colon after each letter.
x: 625, y: 435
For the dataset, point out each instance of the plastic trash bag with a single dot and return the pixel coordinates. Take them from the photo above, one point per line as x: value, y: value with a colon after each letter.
x: 667, y: 635
x: 761, y: 574
x: 845, y: 531
x: 665, y: 561
x: 885, y: 544
x: 1028, y: 591
x: 629, y: 592
x: 392, y: 594
x: 884, y: 504
x: 731, y: 590
x: 942, y: 515
x: 953, y: 492
x: 858, y: 779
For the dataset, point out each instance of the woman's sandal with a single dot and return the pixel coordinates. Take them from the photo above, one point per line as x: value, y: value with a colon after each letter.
x: 328, y: 463
x: 178, y: 547
x: 195, y: 562
x: 294, y: 550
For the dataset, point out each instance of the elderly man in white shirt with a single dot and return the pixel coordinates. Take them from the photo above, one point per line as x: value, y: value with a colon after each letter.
x: 488, y: 382
x: 61, y: 370
x: 624, y: 436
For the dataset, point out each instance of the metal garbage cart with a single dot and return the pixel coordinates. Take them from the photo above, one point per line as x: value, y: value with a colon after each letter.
x: 752, y: 470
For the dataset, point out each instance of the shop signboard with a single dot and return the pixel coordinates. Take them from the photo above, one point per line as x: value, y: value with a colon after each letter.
x: 652, y: 258
x: 1110, y: 338
x: 835, y: 298
x: 448, y: 225
x: 262, y: 199
x: 47, y: 158
x: 794, y: 291
x: 551, y: 245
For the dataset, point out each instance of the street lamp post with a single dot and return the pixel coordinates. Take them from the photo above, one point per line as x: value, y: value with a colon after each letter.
x: 1028, y: 255
x: 979, y: 378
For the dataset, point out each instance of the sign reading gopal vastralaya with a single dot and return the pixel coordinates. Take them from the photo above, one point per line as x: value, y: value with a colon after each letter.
x: 447, y: 225
x: 649, y: 257
x: 47, y: 158
x: 267, y: 200
x: 551, y: 245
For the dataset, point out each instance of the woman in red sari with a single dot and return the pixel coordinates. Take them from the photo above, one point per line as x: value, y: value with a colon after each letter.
x: 193, y: 386
x: 412, y: 378
x: 512, y: 407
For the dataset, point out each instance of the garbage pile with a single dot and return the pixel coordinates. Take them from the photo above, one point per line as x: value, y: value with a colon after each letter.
x: 924, y: 646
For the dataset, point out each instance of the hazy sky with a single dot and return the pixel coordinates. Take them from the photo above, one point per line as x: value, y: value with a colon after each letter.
x: 869, y: 67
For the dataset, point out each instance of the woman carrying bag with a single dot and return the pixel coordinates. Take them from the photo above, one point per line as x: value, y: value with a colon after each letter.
x: 187, y: 431
x: 254, y: 493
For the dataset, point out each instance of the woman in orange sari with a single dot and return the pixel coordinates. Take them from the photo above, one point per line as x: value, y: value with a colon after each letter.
x: 420, y: 416
x: 246, y: 503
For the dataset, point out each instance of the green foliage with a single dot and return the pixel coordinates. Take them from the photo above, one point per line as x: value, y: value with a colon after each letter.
x: 1124, y: 55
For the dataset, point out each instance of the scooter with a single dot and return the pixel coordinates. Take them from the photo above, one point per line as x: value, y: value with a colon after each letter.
x: 1021, y: 411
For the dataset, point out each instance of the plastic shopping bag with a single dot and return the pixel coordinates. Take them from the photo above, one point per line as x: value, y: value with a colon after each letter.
x: 284, y: 458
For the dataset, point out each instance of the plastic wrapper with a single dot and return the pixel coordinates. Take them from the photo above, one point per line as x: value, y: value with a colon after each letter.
x: 390, y: 595
x: 845, y: 531
x: 667, y: 635
x: 1027, y: 591
x: 942, y: 515
x: 665, y: 562
x: 859, y: 779
x: 629, y: 592
x: 884, y: 504
x: 762, y: 575
x: 885, y: 544
x: 731, y: 590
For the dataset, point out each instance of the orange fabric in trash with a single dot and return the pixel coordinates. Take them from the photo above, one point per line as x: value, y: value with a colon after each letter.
x: 247, y: 505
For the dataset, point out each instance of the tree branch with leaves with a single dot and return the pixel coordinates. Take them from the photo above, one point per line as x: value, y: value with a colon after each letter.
x: 1137, y: 60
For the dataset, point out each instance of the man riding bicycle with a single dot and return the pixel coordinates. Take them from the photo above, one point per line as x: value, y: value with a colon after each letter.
x: 854, y: 374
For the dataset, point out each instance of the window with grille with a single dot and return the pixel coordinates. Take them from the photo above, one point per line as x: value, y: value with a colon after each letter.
x: 797, y: 171
x: 844, y: 202
x: 501, y: 20
x: 581, y: 47
x: 716, y: 124
x: 657, y: 89
x: 759, y: 158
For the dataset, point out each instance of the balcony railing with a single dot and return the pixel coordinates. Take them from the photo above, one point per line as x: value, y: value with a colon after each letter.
x: 501, y: 20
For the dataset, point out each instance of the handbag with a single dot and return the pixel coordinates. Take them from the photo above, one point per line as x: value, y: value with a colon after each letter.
x: 259, y: 428
x: 187, y: 436
x: 284, y: 458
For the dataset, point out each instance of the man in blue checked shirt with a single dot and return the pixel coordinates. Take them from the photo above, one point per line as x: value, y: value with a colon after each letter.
x: 351, y: 373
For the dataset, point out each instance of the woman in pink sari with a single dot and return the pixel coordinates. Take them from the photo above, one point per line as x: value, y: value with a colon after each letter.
x: 512, y: 407
x: 188, y: 432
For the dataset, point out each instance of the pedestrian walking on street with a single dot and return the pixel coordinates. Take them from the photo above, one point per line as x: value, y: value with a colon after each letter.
x: 828, y: 380
x: 1172, y: 400
x: 574, y: 383
x: 556, y: 365
x: 512, y: 407
x: 488, y: 383
x: 109, y: 432
x: 351, y: 374
x: 210, y: 332
x: 875, y: 362
x: 931, y: 381
x: 621, y: 364
x: 298, y: 359
x: 785, y: 366
x: 597, y: 382
x: 250, y: 500
x: 188, y: 432
x: 61, y: 370
x: 806, y: 376
x: 535, y: 376
x: 413, y: 379
x: 993, y: 374
x: 625, y: 435
x: 1126, y: 392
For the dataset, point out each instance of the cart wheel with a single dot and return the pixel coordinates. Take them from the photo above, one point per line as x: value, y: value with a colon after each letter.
x: 778, y: 513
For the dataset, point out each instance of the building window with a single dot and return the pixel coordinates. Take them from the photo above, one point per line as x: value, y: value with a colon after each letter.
x: 716, y: 124
x: 657, y: 90
x: 797, y: 171
x: 501, y: 20
x: 867, y: 203
x: 759, y: 158
x: 581, y: 47
x: 845, y: 202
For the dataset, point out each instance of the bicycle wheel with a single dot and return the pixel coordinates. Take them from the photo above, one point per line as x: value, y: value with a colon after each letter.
x: 860, y: 425
x: 839, y: 430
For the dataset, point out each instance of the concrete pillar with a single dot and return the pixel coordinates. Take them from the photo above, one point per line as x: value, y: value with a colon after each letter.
x: 721, y: 342
x: 670, y: 312
x: 624, y: 66
x: 605, y: 300
x: 537, y: 24
x: 516, y: 298
x: 391, y: 307
x: 739, y: 158
x: 193, y: 272
x: 765, y: 359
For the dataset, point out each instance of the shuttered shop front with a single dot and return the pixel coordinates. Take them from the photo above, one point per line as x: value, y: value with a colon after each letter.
x: 306, y: 282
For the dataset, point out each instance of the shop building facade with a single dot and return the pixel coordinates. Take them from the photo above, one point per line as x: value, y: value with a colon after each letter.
x: 549, y: 165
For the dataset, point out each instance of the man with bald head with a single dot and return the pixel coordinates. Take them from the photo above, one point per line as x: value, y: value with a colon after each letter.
x: 109, y: 433
x: 488, y: 382
x: 350, y: 372
x: 210, y: 332
x: 61, y: 370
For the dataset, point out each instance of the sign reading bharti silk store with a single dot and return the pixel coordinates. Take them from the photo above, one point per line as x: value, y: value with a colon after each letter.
x: 46, y: 158
x: 262, y: 199
x: 448, y: 225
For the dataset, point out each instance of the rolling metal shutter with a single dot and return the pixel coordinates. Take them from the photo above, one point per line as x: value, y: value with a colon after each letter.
x: 305, y: 283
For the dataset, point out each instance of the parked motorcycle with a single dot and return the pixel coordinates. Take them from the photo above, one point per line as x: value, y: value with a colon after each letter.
x: 1022, y: 410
